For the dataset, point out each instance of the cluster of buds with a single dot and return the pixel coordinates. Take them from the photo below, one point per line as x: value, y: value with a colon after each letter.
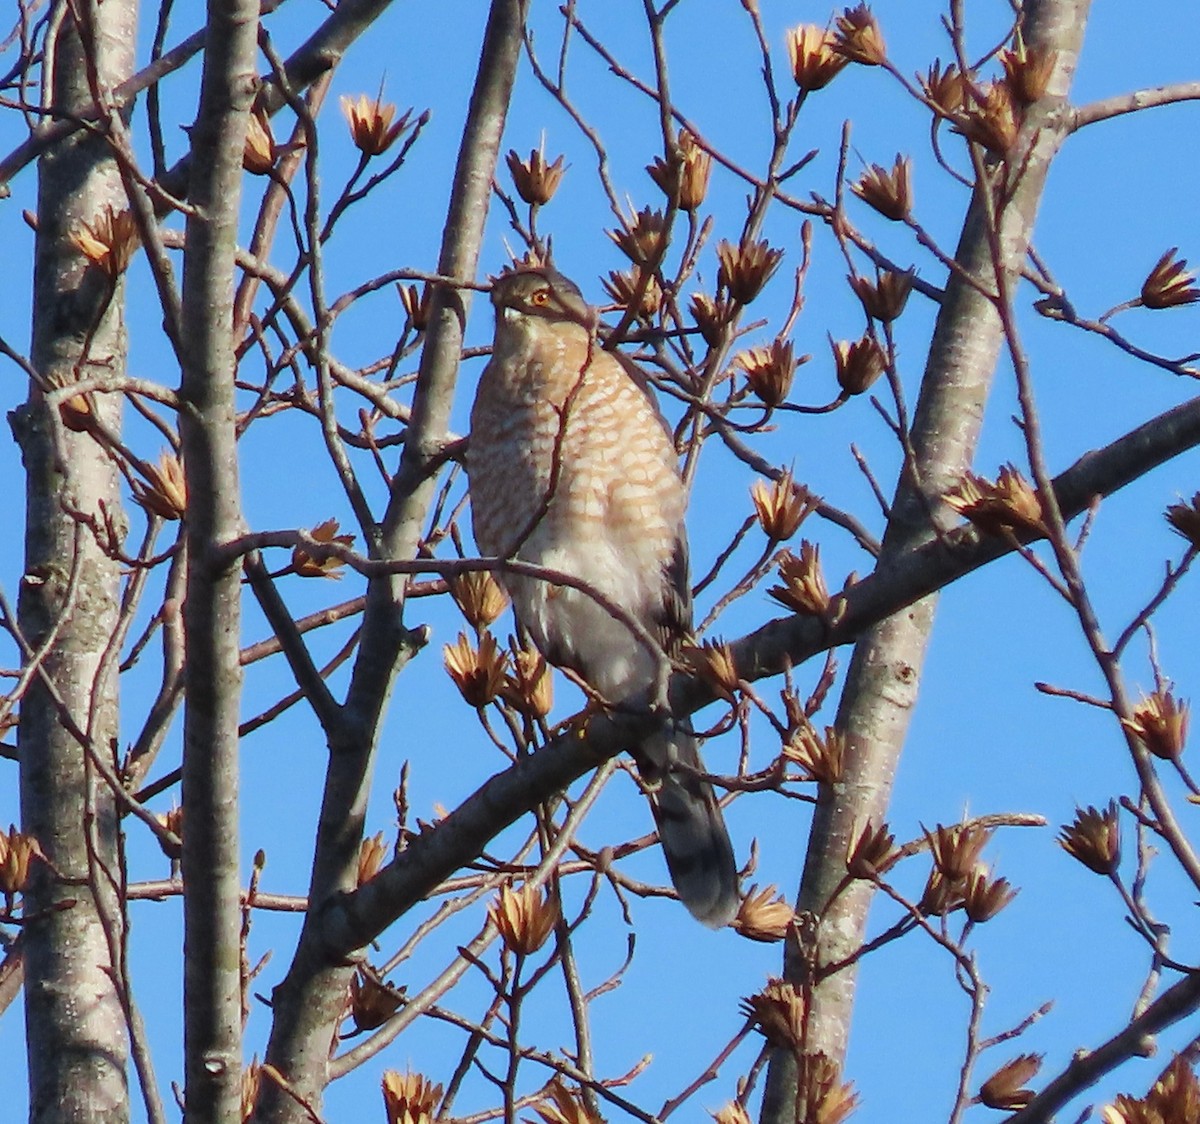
x: 778, y: 1014
x: 884, y: 298
x: 409, y: 1098
x: 1008, y: 504
x: 959, y: 879
x: 306, y: 566
x: 372, y: 126
x: 559, y: 1105
x: 858, y: 37
x: 887, y: 190
x: 17, y: 851
x: 478, y: 673
x: 372, y: 1002
x: 683, y: 177
x: 803, y: 589
x: 712, y: 661
x: 1185, y: 519
x: 1094, y: 838
x: 857, y: 363
x: 815, y: 59
x: 109, y: 241
x: 536, y: 180
x: 770, y: 370
x: 524, y: 917
x: 642, y: 239
x: 872, y: 852
x: 479, y: 597
x: 1005, y: 1089
x: 732, y: 1113
x: 629, y: 286
x: 764, y: 915
x: 782, y: 505
x: 745, y: 268
x: 1175, y: 1096
x: 1169, y: 284
x: 164, y: 492
x: 1160, y: 722
x: 821, y: 758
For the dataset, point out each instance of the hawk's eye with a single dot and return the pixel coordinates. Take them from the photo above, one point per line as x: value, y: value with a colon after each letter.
x: 540, y: 298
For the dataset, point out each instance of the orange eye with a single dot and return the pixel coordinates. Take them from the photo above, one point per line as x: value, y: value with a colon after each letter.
x: 540, y: 297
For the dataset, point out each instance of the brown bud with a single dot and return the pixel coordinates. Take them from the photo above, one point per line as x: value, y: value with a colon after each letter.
x: 535, y: 180
x: 732, y: 1113
x: 820, y: 757
x: 823, y: 1097
x: 770, y: 370
x: 872, y: 853
x: 815, y: 62
x: 984, y: 897
x: 416, y: 304
x: 889, y: 191
x: 1094, y: 838
x: 559, y: 1105
x: 712, y: 661
x: 781, y: 506
x: 956, y: 849
x: 261, y: 151
x: 1185, y: 519
x: 525, y: 917
x: 1005, y: 1088
x: 858, y: 37
x: 478, y: 674
x: 1008, y: 504
x: 306, y: 566
x: 803, y: 589
x: 109, y: 241
x: 623, y: 286
x: 165, y: 492
x: 945, y: 88
x: 989, y: 117
x: 1173, y: 1099
x: 370, y: 857
x: 764, y: 915
x: 1169, y: 283
x: 713, y: 316
x: 371, y: 125
x: 857, y: 363
x: 1161, y: 722
x: 409, y: 1098
x: 684, y: 177
x: 643, y: 238
x: 778, y: 1014
x: 1027, y: 70
x: 480, y: 598
x: 746, y: 268
x: 885, y: 298
x: 372, y: 1002
x: 17, y: 851
x: 940, y: 896
x: 530, y: 687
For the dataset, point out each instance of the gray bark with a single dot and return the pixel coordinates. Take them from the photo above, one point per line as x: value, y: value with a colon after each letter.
x: 76, y: 1031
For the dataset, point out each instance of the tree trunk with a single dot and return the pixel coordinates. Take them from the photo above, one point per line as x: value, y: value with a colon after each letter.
x: 76, y: 1031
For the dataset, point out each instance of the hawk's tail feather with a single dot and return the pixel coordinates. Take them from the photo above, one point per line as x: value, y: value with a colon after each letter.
x: 693, y: 836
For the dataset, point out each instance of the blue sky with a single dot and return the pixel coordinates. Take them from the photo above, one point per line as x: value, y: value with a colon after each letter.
x: 982, y: 739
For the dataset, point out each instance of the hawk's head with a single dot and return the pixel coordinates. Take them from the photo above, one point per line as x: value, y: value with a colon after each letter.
x: 542, y: 293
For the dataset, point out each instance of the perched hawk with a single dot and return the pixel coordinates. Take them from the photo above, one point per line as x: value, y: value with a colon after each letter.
x: 571, y: 467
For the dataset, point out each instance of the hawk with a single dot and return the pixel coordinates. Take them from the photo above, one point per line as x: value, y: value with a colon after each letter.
x: 571, y: 467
